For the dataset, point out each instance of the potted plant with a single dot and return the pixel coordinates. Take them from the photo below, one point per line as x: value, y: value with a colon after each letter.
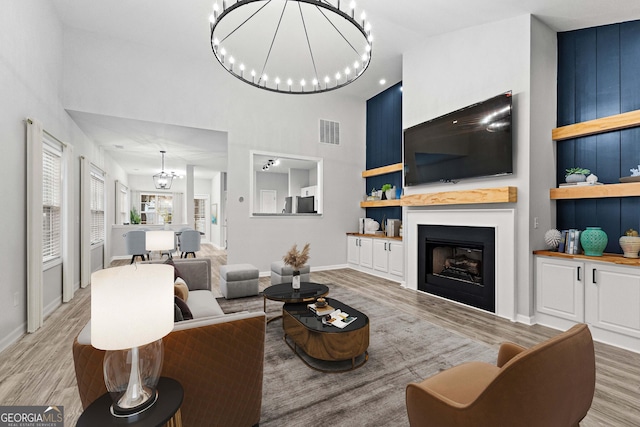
x: 630, y: 243
x: 389, y: 191
x: 296, y: 259
x: 576, y: 175
x: 134, y: 216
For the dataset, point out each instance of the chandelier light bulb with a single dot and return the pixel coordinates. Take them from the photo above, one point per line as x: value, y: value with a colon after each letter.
x: 241, y: 70
x: 216, y: 42
x: 367, y: 27
x: 277, y: 80
x: 231, y: 62
x: 367, y: 48
x: 363, y: 17
x: 338, y: 76
x: 347, y: 71
x: 365, y: 58
x: 370, y: 38
x: 314, y: 82
x: 212, y: 18
x: 216, y: 9
x: 223, y: 52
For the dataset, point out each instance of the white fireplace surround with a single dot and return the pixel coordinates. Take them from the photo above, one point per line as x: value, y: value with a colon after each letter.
x: 502, y: 220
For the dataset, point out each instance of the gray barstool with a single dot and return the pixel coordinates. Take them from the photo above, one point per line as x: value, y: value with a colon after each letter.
x: 189, y: 243
x: 135, y: 242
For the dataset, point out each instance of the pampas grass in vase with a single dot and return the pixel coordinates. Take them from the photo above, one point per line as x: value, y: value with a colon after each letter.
x: 296, y: 259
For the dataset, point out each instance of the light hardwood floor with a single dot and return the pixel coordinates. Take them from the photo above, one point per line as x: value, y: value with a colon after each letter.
x: 38, y: 369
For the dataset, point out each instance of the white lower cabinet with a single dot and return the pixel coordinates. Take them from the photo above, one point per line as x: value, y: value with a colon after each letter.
x: 560, y: 288
x: 604, y: 295
x: 612, y: 298
x: 376, y: 255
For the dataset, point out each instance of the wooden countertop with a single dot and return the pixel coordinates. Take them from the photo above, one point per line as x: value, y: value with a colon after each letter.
x: 610, y: 258
x: 375, y: 236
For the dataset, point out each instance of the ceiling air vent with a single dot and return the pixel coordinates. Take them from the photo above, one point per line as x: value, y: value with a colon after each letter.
x: 329, y: 132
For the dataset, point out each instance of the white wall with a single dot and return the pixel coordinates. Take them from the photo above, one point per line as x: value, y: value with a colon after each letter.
x: 113, y: 77
x: 31, y: 80
x: 454, y: 70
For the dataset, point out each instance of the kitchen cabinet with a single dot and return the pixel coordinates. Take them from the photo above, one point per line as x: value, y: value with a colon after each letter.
x: 603, y: 292
x: 377, y: 255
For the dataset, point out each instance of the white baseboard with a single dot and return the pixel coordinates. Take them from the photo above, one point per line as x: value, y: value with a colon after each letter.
x: 527, y: 320
x: 51, y: 307
x: 13, y: 337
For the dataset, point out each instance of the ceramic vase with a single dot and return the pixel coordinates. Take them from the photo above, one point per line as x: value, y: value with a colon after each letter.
x: 295, y: 279
x: 575, y: 177
x: 630, y: 246
x: 593, y: 241
x: 391, y: 194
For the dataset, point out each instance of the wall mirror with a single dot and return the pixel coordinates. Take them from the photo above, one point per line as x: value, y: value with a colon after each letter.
x: 285, y: 185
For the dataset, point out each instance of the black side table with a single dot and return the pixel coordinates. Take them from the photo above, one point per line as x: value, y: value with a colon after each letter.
x: 166, y: 410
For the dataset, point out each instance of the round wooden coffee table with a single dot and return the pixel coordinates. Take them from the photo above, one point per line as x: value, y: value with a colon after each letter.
x: 284, y: 292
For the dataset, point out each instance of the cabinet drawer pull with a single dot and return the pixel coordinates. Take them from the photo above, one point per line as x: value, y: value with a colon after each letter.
x: 579, y: 280
x: 389, y: 246
x: 385, y: 246
x: 594, y: 277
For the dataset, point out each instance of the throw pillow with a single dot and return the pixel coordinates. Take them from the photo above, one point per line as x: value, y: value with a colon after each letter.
x: 181, y: 289
x: 184, y: 308
x: 177, y: 314
x: 176, y: 273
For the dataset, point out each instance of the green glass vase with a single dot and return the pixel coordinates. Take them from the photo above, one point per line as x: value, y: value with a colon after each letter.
x: 593, y: 241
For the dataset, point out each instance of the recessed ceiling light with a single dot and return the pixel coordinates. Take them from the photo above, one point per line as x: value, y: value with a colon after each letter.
x: 382, y: 81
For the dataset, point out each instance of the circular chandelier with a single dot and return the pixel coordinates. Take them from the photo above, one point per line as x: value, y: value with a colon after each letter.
x: 291, y: 46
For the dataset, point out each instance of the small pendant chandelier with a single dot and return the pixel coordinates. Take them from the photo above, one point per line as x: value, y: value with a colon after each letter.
x: 163, y: 180
x: 291, y: 46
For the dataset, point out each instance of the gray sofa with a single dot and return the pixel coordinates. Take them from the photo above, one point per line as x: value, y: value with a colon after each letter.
x: 197, y: 273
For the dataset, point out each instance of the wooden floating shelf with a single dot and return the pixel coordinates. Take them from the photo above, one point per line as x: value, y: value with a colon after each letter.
x: 593, y: 127
x: 383, y: 170
x: 463, y: 197
x: 610, y: 258
x: 629, y: 189
x: 380, y: 203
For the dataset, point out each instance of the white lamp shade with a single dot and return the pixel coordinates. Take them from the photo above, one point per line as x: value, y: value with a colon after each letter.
x: 131, y: 306
x: 160, y: 240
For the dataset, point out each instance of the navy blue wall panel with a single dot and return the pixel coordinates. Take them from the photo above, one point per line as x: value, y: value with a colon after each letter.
x: 598, y: 71
x: 384, y: 145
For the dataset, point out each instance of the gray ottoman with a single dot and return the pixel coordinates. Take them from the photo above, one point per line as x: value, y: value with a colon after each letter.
x: 281, y: 273
x: 238, y: 280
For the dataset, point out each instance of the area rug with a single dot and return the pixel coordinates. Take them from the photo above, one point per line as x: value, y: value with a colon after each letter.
x: 402, y: 349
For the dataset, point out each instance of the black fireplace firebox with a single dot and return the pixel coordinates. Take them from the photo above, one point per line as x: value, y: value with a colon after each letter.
x: 458, y: 263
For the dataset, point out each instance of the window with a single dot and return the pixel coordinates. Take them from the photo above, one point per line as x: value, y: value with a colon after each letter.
x: 51, y: 200
x: 97, y: 207
x: 199, y: 214
x: 156, y: 209
x: 122, y: 205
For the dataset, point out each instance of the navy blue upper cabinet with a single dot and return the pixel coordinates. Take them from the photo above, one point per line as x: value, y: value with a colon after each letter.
x: 598, y: 71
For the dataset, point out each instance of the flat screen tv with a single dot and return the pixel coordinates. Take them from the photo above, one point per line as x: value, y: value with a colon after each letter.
x: 474, y: 141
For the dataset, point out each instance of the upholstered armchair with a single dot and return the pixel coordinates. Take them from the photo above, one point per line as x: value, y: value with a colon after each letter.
x: 550, y: 384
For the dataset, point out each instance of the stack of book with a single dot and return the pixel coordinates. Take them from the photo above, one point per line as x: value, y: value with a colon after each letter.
x: 570, y: 242
x: 321, y: 311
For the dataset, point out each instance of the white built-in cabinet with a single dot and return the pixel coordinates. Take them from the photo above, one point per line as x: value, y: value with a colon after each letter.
x: 376, y: 255
x: 604, y: 295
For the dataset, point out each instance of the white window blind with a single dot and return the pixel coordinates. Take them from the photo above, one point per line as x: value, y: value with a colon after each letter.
x: 97, y: 208
x: 51, y: 200
x: 124, y: 212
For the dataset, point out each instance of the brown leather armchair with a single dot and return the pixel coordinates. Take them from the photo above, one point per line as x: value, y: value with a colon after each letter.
x: 218, y: 360
x: 548, y: 385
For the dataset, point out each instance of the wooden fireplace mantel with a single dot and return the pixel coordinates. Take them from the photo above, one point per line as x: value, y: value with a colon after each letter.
x: 463, y: 197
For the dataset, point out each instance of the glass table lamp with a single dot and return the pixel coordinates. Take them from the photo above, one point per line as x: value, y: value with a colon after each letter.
x: 131, y: 310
